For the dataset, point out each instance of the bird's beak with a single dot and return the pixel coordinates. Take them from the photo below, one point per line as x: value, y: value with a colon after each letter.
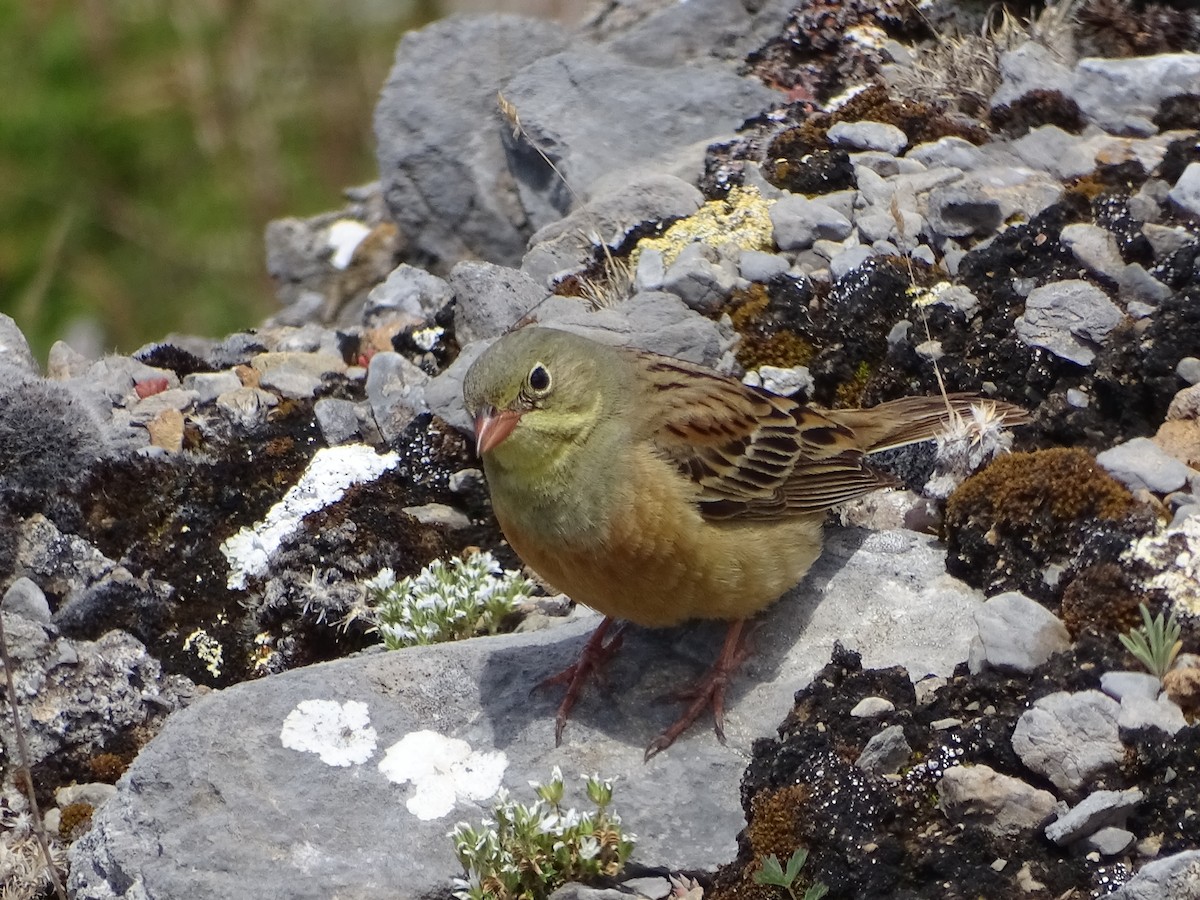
x: 492, y: 426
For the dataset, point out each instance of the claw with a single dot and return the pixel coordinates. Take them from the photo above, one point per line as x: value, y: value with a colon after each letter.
x: 592, y: 658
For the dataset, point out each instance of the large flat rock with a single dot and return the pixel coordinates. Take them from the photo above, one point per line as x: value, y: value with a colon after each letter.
x: 217, y: 807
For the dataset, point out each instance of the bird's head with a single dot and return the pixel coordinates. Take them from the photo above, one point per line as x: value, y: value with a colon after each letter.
x: 536, y: 393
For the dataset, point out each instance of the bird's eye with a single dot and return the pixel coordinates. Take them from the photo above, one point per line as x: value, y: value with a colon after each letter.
x: 539, y: 380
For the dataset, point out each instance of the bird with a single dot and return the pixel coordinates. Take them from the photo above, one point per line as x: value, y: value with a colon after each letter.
x: 658, y: 491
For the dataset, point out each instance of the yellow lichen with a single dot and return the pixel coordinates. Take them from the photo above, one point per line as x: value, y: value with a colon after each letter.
x: 741, y: 221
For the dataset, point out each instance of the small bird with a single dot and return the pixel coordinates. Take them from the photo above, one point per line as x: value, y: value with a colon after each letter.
x: 657, y: 491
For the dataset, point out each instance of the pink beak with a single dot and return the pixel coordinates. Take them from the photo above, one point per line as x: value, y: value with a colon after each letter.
x: 492, y: 426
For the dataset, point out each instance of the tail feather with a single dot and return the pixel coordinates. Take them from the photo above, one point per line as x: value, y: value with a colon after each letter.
x: 915, y: 419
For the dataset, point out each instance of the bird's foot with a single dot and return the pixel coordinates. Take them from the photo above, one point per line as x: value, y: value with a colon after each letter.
x: 592, y: 658
x: 708, y: 691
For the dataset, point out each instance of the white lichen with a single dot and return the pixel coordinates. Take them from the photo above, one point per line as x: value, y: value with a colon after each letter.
x: 339, y: 733
x: 442, y: 770
x: 207, y: 648
x: 330, y: 473
x: 343, y: 237
x: 1171, y: 559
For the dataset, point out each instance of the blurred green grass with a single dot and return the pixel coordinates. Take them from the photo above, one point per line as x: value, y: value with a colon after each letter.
x: 144, y: 145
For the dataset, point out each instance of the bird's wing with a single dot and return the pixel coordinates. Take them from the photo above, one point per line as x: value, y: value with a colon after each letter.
x: 752, y: 455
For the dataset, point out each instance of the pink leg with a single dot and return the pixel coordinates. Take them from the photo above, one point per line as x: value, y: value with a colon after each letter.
x: 708, y: 691
x: 594, y: 656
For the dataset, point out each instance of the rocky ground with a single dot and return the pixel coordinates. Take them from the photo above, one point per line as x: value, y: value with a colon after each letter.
x: 854, y: 201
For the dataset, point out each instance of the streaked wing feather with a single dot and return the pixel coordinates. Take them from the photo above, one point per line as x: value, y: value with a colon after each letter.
x: 750, y: 453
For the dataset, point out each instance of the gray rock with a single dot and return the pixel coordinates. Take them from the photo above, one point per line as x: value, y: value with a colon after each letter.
x: 1141, y: 464
x: 700, y: 278
x: 94, y: 794
x: 442, y: 144
x: 780, y: 381
x: 618, y: 204
x: 963, y: 211
x: 1110, y: 841
x: 759, y: 266
x: 1122, y: 96
x: 948, y: 151
x: 242, y: 811
x: 1016, y: 633
x: 1135, y: 284
x: 661, y: 117
x: 296, y: 374
x: 1175, y: 877
x: 439, y: 514
x: 1068, y: 318
x: 25, y: 599
x: 1186, y: 192
x: 208, y: 386
x: 338, y: 420
x: 1068, y: 738
x: 247, y: 407
x: 14, y: 349
x: 799, y: 222
x: 651, y: 270
x: 1053, y: 150
x: 845, y: 262
x: 1094, y: 247
x: 872, y: 708
x: 1100, y: 809
x: 1128, y: 685
x: 868, y: 136
x: 491, y: 298
x: 1031, y: 66
x: 84, y: 693
x: 1003, y: 805
x: 396, y: 392
x: 885, y: 753
x: 1161, y: 713
x: 958, y: 296
x: 1188, y: 369
x: 699, y: 31
x: 1166, y: 240
x: 409, y: 291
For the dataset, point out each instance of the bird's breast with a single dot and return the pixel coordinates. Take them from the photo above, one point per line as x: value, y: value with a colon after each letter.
x: 648, y: 556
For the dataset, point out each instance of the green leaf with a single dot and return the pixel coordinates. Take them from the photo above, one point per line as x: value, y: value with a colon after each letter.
x: 795, y: 864
x: 771, y: 872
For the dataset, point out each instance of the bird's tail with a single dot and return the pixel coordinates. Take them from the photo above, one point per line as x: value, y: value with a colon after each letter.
x: 914, y: 419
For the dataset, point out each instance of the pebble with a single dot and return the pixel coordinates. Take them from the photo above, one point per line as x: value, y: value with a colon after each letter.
x: 872, y: 707
x: 799, y: 222
x: 885, y: 753
x: 866, y: 135
x: 1094, y: 247
x: 1069, y: 318
x: 1188, y: 369
x: 208, y: 386
x: 1186, y: 192
x: 760, y: 266
x: 24, y: 598
x: 1015, y: 633
x: 701, y: 279
x: 1141, y: 464
x: 1070, y: 737
x: 1002, y: 804
x: 1100, y: 809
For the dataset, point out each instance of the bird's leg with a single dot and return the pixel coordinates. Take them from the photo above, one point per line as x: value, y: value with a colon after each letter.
x: 594, y: 656
x: 708, y: 691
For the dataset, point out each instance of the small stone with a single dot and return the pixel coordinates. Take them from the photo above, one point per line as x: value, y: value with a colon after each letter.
x: 414, y: 292
x: 926, y: 689
x: 1188, y: 369
x: 1001, y: 804
x: 1186, y: 192
x: 885, y: 753
x: 166, y: 430
x: 842, y: 264
x: 963, y: 211
x: 799, y: 222
x: 700, y: 278
x: 760, y: 266
x: 872, y: 708
x: 296, y: 374
x: 651, y: 271
x: 1123, y: 685
x: 1141, y: 464
x: 1069, y: 737
x: 24, y: 598
x: 1161, y: 713
x: 1098, y: 810
x: 396, y: 391
x: 465, y: 480
x: 1094, y: 247
x: 1182, y: 685
x: 1016, y: 633
x: 779, y: 381
x: 1078, y: 399
x: 92, y: 793
x: 1136, y: 285
x: 1069, y: 318
x: 1110, y: 841
x: 1175, y: 876
x: 247, y: 406
x: 439, y: 514
x: 866, y: 135
x: 338, y: 420
x: 208, y: 386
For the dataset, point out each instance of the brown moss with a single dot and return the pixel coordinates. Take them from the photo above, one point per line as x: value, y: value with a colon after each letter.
x: 1036, y: 108
x: 1021, y: 489
x: 763, y: 344
x: 1101, y: 600
x: 775, y: 827
x: 75, y: 819
x: 107, y: 767
x: 920, y: 121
